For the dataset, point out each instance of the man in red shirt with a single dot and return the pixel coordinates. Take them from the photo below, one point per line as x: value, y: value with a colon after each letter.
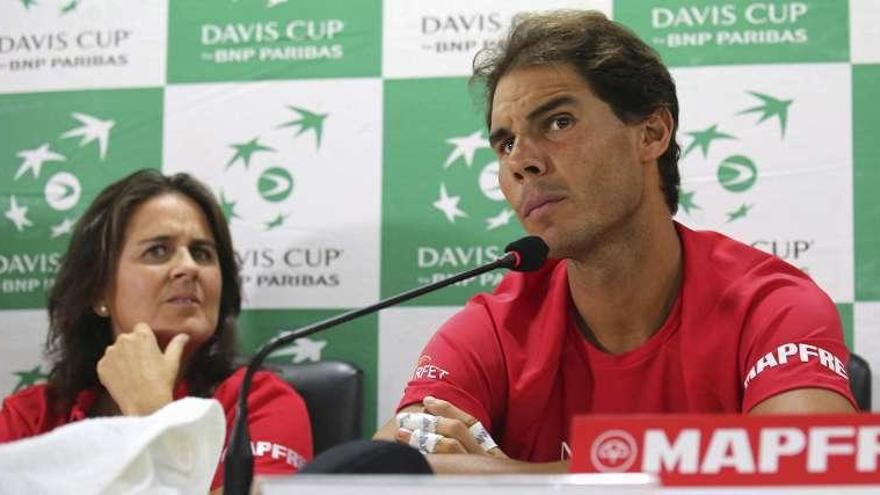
x: 635, y: 313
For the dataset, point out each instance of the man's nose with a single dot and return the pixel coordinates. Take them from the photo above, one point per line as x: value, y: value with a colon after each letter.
x: 525, y: 160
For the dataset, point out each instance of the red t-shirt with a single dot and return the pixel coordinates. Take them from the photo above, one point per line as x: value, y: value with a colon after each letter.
x: 278, y: 422
x: 746, y: 326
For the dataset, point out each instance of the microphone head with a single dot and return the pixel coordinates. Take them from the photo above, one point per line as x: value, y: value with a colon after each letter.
x: 529, y: 253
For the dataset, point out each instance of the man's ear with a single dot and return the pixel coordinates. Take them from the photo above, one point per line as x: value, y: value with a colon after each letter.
x: 656, y: 134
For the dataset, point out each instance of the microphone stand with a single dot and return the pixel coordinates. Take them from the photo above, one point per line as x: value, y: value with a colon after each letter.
x: 239, y: 468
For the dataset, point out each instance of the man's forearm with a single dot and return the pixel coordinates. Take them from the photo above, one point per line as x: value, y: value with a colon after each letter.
x: 484, y: 464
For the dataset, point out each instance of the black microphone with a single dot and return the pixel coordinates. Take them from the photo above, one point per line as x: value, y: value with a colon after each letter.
x: 523, y: 255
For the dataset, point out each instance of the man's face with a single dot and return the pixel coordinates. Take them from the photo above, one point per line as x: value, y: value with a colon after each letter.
x: 569, y: 167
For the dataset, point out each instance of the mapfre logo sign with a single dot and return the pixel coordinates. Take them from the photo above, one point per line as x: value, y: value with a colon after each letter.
x: 731, y: 449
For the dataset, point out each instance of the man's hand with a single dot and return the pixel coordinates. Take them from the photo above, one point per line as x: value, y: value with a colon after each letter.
x: 446, y: 429
x: 138, y: 375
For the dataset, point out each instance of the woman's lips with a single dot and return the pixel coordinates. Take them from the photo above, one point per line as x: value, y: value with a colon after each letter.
x: 184, y: 300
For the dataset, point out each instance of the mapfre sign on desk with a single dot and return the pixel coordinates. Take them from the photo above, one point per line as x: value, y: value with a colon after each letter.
x: 731, y: 449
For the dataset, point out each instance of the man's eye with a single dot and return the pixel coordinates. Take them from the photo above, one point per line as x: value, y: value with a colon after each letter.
x: 506, y: 147
x: 560, y: 122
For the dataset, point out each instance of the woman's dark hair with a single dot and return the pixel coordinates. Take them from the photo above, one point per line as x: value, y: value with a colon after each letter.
x: 621, y: 69
x: 78, y: 337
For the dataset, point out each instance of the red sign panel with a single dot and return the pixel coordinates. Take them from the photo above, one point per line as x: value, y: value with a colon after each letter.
x: 731, y: 449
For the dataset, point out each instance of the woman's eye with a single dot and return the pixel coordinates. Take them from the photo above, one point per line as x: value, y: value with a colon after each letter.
x: 157, y: 251
x: 202, y: 254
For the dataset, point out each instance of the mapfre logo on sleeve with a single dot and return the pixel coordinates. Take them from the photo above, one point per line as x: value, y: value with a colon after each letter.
x: 796, y: 354
x: 427, y: 371
x: 278, y: 452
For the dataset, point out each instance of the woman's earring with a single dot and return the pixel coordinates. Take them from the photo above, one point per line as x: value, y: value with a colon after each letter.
x: 103, y: 311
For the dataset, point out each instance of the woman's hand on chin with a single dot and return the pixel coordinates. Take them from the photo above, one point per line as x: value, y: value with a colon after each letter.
x: 138, y: 375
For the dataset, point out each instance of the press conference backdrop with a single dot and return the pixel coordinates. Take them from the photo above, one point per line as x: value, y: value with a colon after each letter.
x: 351, y: 159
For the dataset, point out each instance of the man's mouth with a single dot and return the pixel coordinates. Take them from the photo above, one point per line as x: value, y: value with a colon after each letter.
x: 538, y: 204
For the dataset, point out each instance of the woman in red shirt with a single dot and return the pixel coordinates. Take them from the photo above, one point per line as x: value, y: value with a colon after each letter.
x: 143, y: 312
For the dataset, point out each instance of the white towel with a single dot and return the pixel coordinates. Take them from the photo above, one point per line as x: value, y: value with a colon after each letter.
x: 174, y: 450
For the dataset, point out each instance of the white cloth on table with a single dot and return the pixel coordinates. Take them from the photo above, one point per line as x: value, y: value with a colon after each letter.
x: 174, y: 450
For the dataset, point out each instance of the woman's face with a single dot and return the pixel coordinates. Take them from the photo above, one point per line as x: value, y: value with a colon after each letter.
x: 168, y: 275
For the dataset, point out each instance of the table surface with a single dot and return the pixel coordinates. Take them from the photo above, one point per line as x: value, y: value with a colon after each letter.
x: 624, y: 484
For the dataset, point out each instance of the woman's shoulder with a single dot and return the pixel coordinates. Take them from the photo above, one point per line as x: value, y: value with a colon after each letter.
x: 26, y: 413
x: 266, y: 385
x: 32, y: 397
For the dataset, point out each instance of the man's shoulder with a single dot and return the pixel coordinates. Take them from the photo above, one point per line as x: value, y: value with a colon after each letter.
x: 715, y: 257
x: 726, y: 272
x: 726, y: 253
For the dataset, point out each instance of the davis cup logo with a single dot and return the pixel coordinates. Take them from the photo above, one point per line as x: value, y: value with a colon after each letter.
x: 62, y: 190
x: 614, y: 451
x: 469, y: 190
x: 294, y: 169
x: 736, y: 173
x: 258, y: 184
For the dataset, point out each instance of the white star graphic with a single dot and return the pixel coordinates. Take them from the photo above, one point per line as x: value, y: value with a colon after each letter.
x: 465, y: 146
x: 34, y: 159
x: 304, y: 349
x: 62, y: 228
x: 17, y: 214
x: 93, y: 128
x: 448, y: 205
x: 499, y: 220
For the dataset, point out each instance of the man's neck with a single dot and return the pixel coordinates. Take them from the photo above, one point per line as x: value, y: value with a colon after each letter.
x: 624, y: 289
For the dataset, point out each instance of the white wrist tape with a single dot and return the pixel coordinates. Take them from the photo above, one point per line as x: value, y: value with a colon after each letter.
x: 424, y: 441
x: 418, y: 421
x: 482, y: 436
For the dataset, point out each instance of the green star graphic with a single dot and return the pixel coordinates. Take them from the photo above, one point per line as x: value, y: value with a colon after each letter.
x: 308, y: 121
x: 686, y: 201
x: 741, y: 212
x: 704, y: 138
x: 28, y: 3
x: 70, y: 7
x: 772, y: 107
x: 277, y: 222
x: 227, y: 207
x: 244, y: 151
x: 27, y: 378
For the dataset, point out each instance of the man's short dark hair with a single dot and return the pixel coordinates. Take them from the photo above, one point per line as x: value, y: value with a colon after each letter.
x: 622, y: 70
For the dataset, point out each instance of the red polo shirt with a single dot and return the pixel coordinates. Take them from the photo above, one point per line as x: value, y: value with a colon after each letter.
x: 745, y: 326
